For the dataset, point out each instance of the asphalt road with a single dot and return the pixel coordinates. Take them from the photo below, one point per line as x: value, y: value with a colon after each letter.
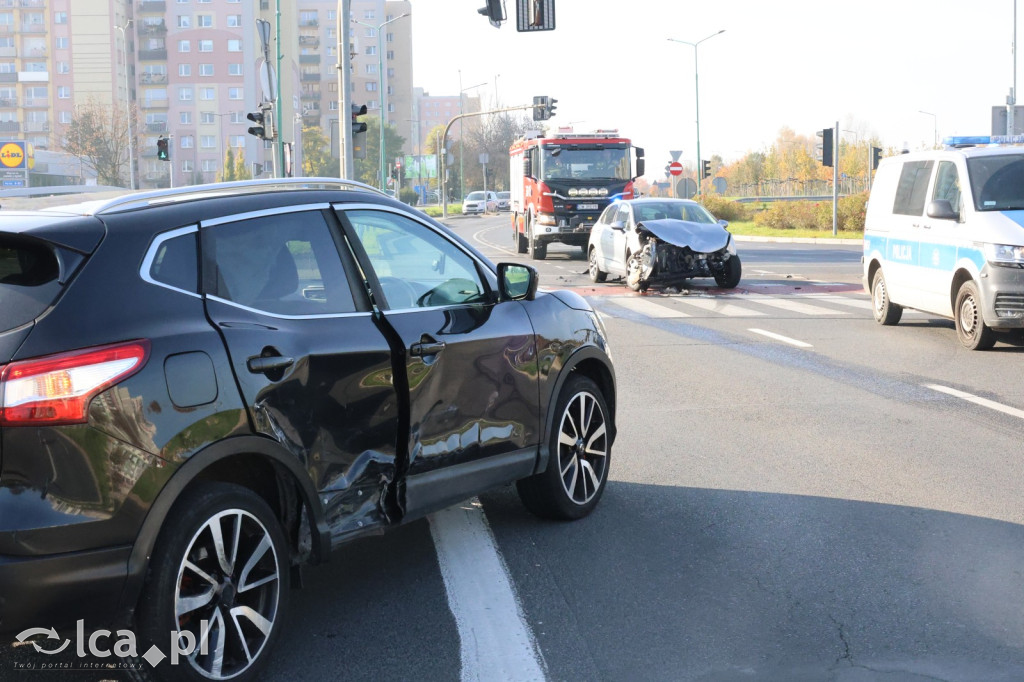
x: 795, y: 494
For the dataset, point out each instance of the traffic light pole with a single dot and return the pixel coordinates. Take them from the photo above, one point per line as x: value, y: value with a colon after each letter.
x: 835, y: 180
x: 345, y: 158
x: 444, y: 146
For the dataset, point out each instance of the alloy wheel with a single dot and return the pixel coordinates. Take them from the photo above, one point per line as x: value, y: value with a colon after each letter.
x: 582, y: 448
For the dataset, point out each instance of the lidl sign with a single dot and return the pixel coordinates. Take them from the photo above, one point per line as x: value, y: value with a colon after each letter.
x: 12, y: 155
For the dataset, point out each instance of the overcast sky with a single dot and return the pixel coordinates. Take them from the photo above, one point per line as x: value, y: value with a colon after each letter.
x: 872, y: 65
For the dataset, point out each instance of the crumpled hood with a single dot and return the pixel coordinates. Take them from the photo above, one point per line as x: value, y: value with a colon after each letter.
x: 700, y: 237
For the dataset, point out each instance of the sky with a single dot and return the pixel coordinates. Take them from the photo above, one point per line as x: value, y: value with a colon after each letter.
x: 872, y: 66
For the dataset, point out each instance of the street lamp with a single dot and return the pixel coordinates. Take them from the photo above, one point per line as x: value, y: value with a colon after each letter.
x: 462, y: 181
x: 696, y: 89
x: 127, y: 104
x: 383, y: 101
x: 935, y: 126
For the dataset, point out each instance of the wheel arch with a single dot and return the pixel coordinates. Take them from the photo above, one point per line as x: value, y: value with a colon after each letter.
x: 961, y: 275
x: 256, y: 463
x: 592, y: 363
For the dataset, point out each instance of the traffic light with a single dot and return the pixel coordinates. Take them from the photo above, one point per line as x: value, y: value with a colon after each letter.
x: 705, y: 169
x: 358, y: 132
x: 826, y: 146
x: 876, y: 154
x: 543, y: 107
x: 264, y: 120
x: 163, y: 152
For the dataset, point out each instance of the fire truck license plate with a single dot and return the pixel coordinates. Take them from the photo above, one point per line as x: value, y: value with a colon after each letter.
x: 588, y: 207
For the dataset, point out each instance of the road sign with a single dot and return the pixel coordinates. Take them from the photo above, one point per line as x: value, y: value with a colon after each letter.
x: 675, y: 154
x: 675, y: 168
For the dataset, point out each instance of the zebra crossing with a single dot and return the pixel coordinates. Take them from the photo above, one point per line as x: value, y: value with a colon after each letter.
x: 748, y: 305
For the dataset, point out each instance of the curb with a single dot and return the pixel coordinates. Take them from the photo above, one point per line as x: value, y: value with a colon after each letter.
x: 797, y: 240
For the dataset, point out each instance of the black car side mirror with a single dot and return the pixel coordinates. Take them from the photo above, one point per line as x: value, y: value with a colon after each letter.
x: 516, y: 282
x: 941, y: 209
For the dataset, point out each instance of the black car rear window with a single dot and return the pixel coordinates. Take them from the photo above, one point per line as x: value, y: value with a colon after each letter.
x: 29, y: 283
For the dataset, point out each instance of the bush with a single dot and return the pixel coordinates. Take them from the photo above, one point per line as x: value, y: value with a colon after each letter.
x: 814, y: 215
x: 407, y: 195
x: 724, y: 208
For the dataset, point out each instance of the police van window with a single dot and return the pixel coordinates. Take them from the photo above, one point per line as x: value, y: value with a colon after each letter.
x: 947, y: 184
x: 997, y: 182
x: 912, y: 189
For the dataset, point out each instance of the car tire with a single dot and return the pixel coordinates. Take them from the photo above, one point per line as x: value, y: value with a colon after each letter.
x: 971, y: 329
x: 250, y: 594
x: 634, y: 283
x: 579, y: 447
x: 885, y: 311
x: 729, y: 278
x: 596, y: 273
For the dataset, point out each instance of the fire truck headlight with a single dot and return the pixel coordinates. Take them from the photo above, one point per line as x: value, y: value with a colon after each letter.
x: 546, y: 219
x: 574, y: 192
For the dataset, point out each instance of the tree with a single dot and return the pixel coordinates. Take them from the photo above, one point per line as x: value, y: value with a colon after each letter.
x: 229, y: 172
x: 368, y: 169
x: 242, y: 170
x: 493, y: 136
x: 98, y: 137
x: 316, y: 155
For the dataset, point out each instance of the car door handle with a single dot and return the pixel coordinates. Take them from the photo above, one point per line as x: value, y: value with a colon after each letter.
x: 258, y: 364
x: 425, y: 348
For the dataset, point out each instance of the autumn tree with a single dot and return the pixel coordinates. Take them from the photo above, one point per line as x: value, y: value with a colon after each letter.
x: 316, y: 155
x: 98, y: 136
x: 368, y: 170
x: 230, y: 170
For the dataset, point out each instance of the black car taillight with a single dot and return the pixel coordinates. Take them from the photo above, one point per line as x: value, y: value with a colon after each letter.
x: 57, y: 389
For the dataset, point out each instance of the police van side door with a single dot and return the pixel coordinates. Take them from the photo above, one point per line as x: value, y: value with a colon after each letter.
x: 941, y: 241
x: 902, y: 250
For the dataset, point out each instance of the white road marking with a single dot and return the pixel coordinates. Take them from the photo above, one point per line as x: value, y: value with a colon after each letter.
x: 495, y: 641
x: 842, y: 300
x: 793, y: 306
x: 645, y: 307
x: 478, y: 238
x: 977, y: 400
x: 719, y: 305
x: 780, y: 337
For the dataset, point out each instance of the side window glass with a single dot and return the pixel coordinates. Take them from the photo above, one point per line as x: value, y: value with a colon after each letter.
x: 947, y: 184
x: 609, y: 214
x: 284, y: 264
x: 175, y: 263
x: 623, y: 215
x: 912, y: 188
x: 416, y: 266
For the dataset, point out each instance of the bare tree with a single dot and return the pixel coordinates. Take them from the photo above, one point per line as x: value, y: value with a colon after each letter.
x: 493, y: 136
x: 98, y: 137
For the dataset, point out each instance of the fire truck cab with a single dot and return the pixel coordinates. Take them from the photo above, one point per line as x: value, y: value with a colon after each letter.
x: 560, y: 185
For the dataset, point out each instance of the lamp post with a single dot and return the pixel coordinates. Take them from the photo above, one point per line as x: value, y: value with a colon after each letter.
x: 383, y: 99
x: 935, y: 126
x: 127, y: 104
x: 462, y: 181
x: 696, y: 98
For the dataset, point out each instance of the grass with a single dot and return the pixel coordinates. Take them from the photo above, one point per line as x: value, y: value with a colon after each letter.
x: 750, y: 229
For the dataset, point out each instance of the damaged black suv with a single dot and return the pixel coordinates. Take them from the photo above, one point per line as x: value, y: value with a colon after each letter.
x: 202, y: 389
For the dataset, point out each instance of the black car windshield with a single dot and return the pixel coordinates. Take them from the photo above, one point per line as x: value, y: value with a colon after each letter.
x: 997, y: 182
x: 585, y: 162
x: 675, y: 210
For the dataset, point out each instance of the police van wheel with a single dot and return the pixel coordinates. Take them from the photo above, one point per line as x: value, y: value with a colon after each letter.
x: 886, y: 312
x: 971, y: 329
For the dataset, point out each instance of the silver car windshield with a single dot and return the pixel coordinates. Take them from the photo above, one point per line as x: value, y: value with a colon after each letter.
x: 658, y: 210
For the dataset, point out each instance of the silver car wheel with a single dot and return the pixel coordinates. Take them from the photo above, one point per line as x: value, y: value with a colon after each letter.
x: 582, y: 448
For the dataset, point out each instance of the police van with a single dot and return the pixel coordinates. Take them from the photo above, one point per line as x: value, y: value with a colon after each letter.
x: 944, y: 234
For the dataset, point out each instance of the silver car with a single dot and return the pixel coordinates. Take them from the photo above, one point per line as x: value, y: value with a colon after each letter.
x: 480, y: 202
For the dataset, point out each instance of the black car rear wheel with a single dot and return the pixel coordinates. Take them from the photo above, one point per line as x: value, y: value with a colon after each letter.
x: 220, y: 573
x: 580, y: 452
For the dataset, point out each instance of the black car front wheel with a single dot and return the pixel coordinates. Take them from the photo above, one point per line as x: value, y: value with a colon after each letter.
x: 219, y: 572
x: 580, y: 452
x: 729, y: 278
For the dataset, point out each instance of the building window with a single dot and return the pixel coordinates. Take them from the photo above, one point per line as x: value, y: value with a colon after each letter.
x: 210, y: 166
x: 234, y: 69
x: 390, y: 55
x: 184, y: 69
x: 184, y: 21
x: 332, y: 15
x: 389, y: 37
x: 204, y: 20
x: 371, y: 86
x: 187, y: 142
x: 186, y: 118
x: 207, y: 94
x: 333, y: 105
x: 186, y: 165
x: 63, y: 67
x: 64, y: 92
x: 234, y: 20
x: 60, y: 17
x: 391, y: 73
x: 206, y: 69
x: 61, y: 43
x: 185, y: 94
x: 371, y: 68
x: 369, y: 14
x: 208, y: 141
x: 234, y: 46
x: 237, y: 117
x: 65, y: 117
x: 235, y: 93
x: 184, y: 46
x: 206, y: 117
x: 237, y: 141
x: 370, y: 32
x: 370, y: 50
x: 206, y: 46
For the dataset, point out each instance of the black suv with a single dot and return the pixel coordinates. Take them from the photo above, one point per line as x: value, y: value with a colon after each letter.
x: 203, y: 388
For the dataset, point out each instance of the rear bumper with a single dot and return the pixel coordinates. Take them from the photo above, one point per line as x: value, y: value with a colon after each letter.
x: 55, y: 591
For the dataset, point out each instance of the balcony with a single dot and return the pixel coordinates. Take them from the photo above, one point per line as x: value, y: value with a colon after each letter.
x: 309, y: 59
x: 6, y: 4
x: 153, y: 79
x: 152, y: 6
x: 8, y: 52
x: 157, y: 127
x: 37, y: 126
x: 33, y: 102
x: 157, y: 29
x: 311, y: 77
x: 308, y: 96
x: 309, y: 41
x: 154, y: 103
x: 7, y: 77
x: 9, y: 102
x: 33, y: 28
x: 309, y: 23
x: 153, y: 55
x: 10, y: 127
x: 33, y: 76
x: 31, y: 3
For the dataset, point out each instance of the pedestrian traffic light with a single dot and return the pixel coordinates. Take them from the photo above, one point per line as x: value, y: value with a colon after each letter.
x: 264, y: 120
x: 705, y: 169
x: 876, y: 154
x: 543, y: 107
x: 358, y: 132
x: 826, y: 146
x: 163, y: 152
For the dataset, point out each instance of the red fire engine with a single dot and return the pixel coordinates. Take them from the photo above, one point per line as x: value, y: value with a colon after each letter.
x: 561, y: 184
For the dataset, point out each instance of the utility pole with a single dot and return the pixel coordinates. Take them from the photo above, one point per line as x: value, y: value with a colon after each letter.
x: 344, y: 93
x: 280, y: 127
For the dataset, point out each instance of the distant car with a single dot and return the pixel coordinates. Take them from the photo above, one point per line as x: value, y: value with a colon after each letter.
x: 504, y: 201
x: 480, y: 202
x: 662, y: 241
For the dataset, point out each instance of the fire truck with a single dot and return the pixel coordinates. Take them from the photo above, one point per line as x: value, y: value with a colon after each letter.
x: 561, y: 184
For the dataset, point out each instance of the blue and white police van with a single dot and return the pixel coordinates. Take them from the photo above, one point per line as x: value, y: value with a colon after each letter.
x: 944, y: 234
